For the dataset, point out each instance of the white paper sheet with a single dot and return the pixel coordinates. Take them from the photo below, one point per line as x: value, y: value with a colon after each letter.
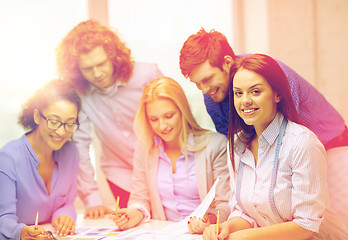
x: 177, y: 231
x: 181, y: 227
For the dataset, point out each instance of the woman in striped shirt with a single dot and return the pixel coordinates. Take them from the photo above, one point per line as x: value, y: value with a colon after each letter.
x: 277, y: 166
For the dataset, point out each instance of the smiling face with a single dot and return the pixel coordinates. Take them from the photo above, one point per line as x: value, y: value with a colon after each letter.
x: 60, y: 110
x: 97, y: 68
x: 254, y: 99
x: 165, y: 119
x: 212, y: 80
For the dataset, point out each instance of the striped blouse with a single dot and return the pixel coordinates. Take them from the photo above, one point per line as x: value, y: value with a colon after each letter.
x: 300, y: 192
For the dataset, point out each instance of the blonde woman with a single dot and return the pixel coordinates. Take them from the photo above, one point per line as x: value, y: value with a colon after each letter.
x: 176, y: 162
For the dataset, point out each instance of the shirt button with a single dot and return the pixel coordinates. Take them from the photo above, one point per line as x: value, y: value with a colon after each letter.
x: 262, y: 215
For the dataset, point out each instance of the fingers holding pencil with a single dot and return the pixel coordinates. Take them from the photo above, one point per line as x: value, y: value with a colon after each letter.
x: 127, y: 218
x: 29, y: 232
x: 216, y: 231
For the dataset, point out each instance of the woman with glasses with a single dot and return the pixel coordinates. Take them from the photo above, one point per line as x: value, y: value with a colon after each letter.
x: 176, y: 162
x: 38, y: 172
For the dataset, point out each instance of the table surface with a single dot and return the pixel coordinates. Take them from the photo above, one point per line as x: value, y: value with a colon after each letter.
x: 152, y: 225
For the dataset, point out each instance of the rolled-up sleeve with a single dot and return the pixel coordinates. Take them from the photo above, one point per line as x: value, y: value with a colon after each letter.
x: 309, y: 194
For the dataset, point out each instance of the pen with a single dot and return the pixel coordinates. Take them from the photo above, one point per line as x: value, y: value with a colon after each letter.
x: 36, y: 220
x: 117, y: 204
x: 217, y: 223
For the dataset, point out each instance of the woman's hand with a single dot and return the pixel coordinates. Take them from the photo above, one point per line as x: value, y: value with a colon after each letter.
x: 210, y: 232
x: 197, y: 226
x: 64, y: 225
x: 29, y: 232
x: 127, y: 218
x: 97, y: 212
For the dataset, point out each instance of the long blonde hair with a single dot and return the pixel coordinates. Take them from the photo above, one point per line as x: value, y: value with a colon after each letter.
x: 167, y: 88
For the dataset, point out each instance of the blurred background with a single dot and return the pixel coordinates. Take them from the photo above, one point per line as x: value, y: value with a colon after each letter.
x: 310, y: 36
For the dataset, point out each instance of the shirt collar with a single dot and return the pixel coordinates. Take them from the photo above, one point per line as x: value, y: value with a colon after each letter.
x: 272, y: 131
x: 107, y: 91
x: 33, y: 153
x: 269, y: 134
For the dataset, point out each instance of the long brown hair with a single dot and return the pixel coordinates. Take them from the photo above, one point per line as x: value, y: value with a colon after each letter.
x: 270, y: 70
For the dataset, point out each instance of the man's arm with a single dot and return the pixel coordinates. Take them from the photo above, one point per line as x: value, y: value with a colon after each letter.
x: 86, y: 184
x: 218, y: 112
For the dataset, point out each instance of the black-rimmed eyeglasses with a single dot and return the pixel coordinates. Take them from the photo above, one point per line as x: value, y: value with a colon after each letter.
x: 54, y: 124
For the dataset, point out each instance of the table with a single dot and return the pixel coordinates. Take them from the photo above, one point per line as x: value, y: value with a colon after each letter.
x: 149, y: 230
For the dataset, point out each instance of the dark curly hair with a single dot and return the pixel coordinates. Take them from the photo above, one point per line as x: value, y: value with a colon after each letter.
x: 51, y: 91
x: 270, y: 70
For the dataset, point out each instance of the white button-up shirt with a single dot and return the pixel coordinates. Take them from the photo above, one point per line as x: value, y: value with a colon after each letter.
x: 300, y: 192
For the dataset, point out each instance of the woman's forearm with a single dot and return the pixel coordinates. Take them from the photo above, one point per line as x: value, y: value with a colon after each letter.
x: 284, y: 231
x: 237, y: 223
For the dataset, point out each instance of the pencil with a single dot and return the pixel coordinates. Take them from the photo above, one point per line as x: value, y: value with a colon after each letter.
x: 117, y: 204
x: 217, y: 223
x: 36, y: 220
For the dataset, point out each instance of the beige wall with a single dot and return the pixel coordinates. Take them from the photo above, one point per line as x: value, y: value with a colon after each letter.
x: 310, y: 36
